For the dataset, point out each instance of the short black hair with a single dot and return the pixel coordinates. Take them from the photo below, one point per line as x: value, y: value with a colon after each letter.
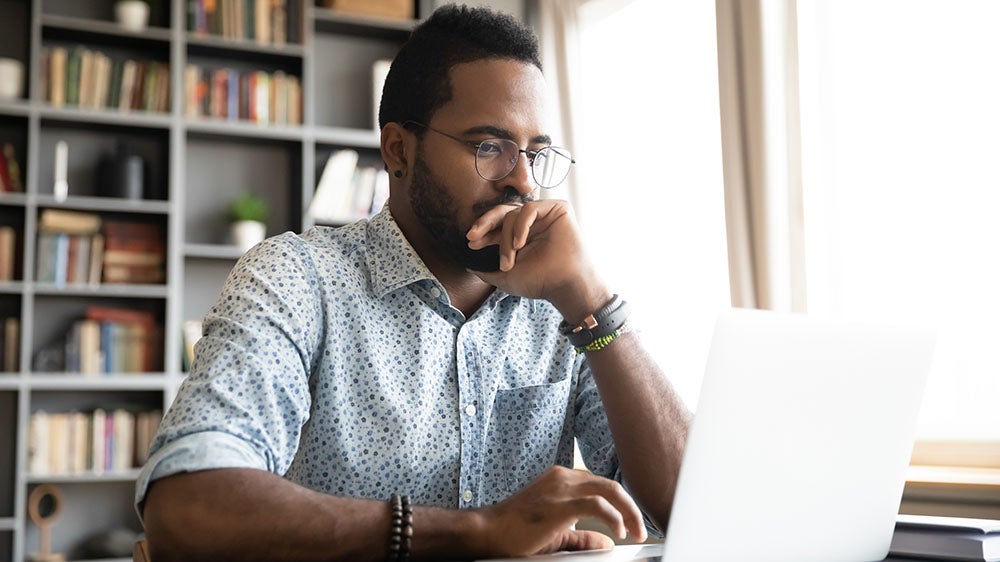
x: 418, y: 83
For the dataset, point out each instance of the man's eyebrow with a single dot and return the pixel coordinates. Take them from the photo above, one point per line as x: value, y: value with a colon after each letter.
x: 500, y: 132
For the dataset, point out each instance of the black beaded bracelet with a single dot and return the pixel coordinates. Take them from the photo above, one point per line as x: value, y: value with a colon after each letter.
x: 401, y: 528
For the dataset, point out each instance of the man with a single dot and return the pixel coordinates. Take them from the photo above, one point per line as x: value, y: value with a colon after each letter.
x: 344, y: 367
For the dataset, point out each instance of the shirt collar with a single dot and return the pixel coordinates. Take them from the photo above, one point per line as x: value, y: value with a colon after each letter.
x: 394, y: 263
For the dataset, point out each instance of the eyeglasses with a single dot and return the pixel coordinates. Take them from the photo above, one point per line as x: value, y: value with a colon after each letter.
x: 496, y: 159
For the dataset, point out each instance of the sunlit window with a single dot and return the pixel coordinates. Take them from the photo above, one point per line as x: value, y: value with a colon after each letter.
x: 900, y: 104
x: 650, y: 172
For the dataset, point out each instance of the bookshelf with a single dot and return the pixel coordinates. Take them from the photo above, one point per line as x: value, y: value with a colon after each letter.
x: 194, y: 167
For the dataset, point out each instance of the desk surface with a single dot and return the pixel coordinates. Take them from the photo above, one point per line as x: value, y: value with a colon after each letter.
x: 630, y: 553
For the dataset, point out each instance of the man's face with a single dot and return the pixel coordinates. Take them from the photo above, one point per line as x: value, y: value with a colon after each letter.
x: 490, y: 99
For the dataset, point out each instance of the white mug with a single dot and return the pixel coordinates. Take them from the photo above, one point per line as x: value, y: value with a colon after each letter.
x: 11, y: 79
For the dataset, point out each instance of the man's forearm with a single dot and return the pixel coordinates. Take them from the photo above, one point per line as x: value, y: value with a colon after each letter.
x: 247, y: 515
x: 648, y: 421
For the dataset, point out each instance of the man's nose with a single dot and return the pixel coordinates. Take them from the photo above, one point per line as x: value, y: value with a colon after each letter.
x: 520, y: 178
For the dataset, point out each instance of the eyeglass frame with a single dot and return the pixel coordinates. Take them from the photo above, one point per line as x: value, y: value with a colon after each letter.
x: 529, y: 154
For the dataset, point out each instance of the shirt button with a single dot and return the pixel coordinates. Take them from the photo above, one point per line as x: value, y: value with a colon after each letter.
x: 467, y: 496
x: 435, y: 292
x: 470, y: 410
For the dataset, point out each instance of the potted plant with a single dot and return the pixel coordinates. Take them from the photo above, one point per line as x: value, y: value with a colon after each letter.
x: 132, y: 15
x: 248, y: 213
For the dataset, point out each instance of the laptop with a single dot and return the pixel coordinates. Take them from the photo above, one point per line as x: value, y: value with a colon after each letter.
x: 799, y: 445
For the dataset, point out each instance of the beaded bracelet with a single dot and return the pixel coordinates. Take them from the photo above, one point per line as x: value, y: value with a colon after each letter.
x: 604, y: 341
x: 402, y: 528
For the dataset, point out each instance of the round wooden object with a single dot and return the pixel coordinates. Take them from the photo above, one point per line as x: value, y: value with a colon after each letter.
x: 45, y: 522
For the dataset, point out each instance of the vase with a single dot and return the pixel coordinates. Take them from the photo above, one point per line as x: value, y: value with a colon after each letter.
x: 132, y: 15
x: 11, y: 79
x: 247, y: 234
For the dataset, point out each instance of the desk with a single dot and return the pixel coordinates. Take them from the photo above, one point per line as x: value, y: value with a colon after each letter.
x: 629, y: 553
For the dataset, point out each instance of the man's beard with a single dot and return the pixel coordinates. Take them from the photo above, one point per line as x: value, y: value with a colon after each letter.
x: 435, y: 208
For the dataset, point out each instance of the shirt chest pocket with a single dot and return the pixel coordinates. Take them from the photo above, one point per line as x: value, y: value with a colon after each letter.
x: 527, y: 429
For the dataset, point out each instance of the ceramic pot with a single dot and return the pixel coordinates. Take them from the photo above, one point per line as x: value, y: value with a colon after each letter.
x: 11, y: 79
x: 132, y: 15
x: 247, y: 234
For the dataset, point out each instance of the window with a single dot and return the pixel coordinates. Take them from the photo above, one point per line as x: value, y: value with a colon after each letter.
x: 649, y: 172
x: 900, y: 111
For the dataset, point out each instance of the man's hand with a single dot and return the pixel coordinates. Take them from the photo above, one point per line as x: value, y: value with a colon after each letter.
x: 541, y: 256
x: 537, y: 519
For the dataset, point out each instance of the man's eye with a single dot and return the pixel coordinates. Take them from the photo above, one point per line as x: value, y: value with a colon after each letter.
x: 490, y: 148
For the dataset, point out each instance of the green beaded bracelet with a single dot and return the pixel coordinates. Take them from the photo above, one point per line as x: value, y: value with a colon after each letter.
x: 604, y: 341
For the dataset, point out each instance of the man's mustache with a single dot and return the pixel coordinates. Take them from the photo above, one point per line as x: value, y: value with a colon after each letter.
x: 510, y: 196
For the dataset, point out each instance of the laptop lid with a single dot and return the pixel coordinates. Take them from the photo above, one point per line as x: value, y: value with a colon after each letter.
x: 800, y: 442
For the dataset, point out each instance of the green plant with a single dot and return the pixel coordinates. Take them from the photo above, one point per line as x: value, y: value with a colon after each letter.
x: 248, y: 207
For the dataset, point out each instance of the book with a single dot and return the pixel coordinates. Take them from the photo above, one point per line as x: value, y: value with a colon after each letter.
x: 952, y: 538
x: 78, y: 442
x: 279, y: 18
x: 96, y: 259
x: 12, y: 170
x: 8, y: 245
x: 38, y: 443
x: 130, y: 338
x: 11, y: 330
x: 5, y: 182
x: 98, y: 423
x: 127, y: 90
x: 331, y: 202
x: 73, y: 69
x: 68, y: 222
x: 133, y: 252
x: 57, y: 76
x: 85, y: 85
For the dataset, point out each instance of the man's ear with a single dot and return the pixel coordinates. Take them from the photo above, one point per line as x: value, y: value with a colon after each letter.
x: 397, y: 147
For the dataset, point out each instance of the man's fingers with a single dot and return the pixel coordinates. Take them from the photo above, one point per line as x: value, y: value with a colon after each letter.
x: 585, y: 540
x: 621, y: 501
x: 489, y: 221
x: 599, y: 508
x: 508, y: 250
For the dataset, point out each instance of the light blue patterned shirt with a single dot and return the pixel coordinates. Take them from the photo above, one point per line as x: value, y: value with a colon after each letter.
x: 335, y: 359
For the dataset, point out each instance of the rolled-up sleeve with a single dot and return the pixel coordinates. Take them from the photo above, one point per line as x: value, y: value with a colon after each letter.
x: 247, y: 397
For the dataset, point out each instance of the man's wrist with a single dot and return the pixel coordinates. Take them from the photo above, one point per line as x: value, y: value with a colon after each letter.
x: 448, y: 533
x: 580, y: 300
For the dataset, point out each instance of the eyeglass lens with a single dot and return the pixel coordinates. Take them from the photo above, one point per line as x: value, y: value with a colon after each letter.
x: 497, y: 157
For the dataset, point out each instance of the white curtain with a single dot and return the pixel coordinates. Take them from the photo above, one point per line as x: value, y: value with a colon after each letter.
x: 760, y: 136
x: 559, y: 31
x: 758, y: 95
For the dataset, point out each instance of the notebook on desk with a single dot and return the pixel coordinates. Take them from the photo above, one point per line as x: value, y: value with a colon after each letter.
x: 799, y: 445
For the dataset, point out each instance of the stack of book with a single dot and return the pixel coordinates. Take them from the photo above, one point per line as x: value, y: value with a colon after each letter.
x: 263, y: 21
x: 70, y: 247
x: 91, y: 79
x: 10, y: 350
x: 113, y: 340
x: 98, y: 442
x: 951, y: 538
x: 346, y: 191
x: 258, y: 96
x: 134, y: 252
